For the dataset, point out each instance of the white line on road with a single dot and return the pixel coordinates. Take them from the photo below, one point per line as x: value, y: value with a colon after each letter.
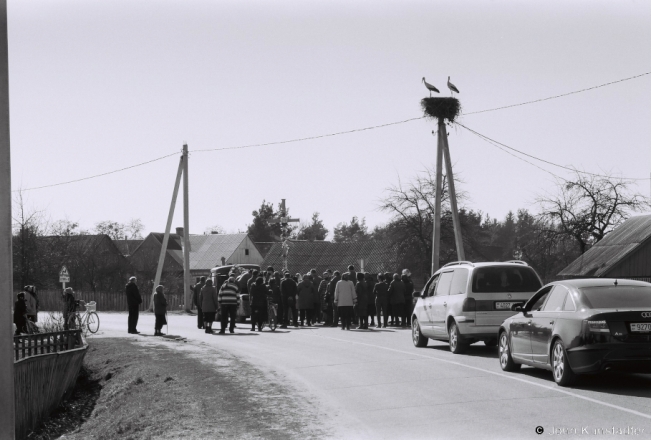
x: 559, y: 390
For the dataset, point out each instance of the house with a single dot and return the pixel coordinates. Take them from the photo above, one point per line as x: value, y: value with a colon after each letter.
x: 367, y: 256
x: 126, y: 247
x: 623, y: 253
x: 206, y: 252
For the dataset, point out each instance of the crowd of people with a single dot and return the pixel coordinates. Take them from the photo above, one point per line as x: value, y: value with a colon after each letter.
x: 350, y: 298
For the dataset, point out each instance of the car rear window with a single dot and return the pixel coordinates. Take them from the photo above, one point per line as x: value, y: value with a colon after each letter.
x: 617, y: 297
x: 490, y: 279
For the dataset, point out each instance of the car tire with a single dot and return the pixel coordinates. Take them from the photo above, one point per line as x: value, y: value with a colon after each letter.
x: 506, y: 361
x: 491, y: 343
x: 561, y: 370
x: 416, y: 335
x: 457, y: 344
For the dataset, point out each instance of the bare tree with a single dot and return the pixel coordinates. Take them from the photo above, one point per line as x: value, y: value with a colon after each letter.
x: 588, y: 207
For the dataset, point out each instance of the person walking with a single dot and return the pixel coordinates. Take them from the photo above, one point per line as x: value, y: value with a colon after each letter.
x: 306, y: 300
x: 20, y: 314
x: 345, y: 299
x: 208, y: 295
x: 370, y: 309
x: 362, y: 302
x: 196, y: 299
x: 397, y: 299
x: 258, y: 298
x: 228, y: 300
x: 31, y: 302
x: 160, y: 310
x: 381, y: 291
x: 332, y: 286
x: 409, y: 298
x: 133, y: 304
x: 288, y: 291
x: 326, y: 300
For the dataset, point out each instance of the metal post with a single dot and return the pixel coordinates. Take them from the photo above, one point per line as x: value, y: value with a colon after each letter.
x: 7, y: 403
x: 166, y: 237
x: 458, y: 238
x: 187, y: 300
x: 436, y: 239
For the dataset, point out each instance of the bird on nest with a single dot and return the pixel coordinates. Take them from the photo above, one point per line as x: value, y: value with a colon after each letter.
x: 430, y: 87
x: 452, y: 87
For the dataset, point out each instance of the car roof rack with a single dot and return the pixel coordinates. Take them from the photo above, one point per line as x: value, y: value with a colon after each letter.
x: 524, y: 263
x: 457, y: 263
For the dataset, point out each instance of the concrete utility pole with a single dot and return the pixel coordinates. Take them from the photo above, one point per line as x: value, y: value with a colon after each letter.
x: 187, y: 299
x: 458, y: 239
x: 7, y: 403
x: 436, y: 235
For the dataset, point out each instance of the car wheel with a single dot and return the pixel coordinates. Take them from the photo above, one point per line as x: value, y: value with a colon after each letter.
x: 563, y: 374
x: 457, y: 344
x: 491, y: 343
x: 416, y: 335
x: 506, y: 361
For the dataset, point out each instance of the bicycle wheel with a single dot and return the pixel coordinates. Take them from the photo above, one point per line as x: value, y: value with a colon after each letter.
x: 93, y: 322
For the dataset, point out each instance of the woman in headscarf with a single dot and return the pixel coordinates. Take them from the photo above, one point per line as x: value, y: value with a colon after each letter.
x: 160, y: 310
x: 208, y: 305
x: 306, y: 292
x: 258, y: 297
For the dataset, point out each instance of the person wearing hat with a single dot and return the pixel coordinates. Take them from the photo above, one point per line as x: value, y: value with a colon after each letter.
x: 409, y: 299
x: 20, y: 312
x: 196, y: 299
x: 133, y: 303
x: 397, y: 299
x: 160, y: 310
x: 288, y: 290
x: 31, y: 301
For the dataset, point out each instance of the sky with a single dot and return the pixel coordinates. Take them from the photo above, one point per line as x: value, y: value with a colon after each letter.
x: 104, y: 85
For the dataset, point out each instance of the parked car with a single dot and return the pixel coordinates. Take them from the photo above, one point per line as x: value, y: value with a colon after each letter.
x: 466, y: 302
x: 581, y: 326
x: 220, y: 274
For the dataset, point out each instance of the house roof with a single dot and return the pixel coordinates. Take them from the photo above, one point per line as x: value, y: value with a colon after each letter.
x: 378, y: 256
x: 612, y: 249
x: 126, y: 247
x: 206, y: 251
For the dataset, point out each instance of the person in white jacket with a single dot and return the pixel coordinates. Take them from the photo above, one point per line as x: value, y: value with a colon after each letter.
x: 345, y: 300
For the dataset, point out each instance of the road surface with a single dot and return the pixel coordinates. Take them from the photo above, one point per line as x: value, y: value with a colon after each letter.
x: 376, y: 384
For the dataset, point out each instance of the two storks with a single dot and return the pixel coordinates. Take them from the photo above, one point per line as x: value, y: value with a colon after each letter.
x: 431, y: 88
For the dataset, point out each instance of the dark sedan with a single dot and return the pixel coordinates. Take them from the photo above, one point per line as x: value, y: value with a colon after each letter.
x: 580, y: 326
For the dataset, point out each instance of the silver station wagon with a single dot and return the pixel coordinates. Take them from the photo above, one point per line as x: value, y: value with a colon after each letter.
x: 466, y: 302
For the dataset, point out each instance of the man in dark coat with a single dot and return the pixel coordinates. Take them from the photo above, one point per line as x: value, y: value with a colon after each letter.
x: 332, y: 285
x: 133, y: 302
x: 326, y: 300
x: 409, y: 299
x: 381, y: 292
x: 288, y: 291
x: 196, y: 299
x: 397, y: 299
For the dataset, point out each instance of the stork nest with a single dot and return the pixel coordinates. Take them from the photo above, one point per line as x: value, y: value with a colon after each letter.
x: 441, y: 108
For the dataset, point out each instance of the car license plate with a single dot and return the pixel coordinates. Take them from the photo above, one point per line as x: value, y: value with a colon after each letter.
x: 641, y: 327
x: 504, y: 305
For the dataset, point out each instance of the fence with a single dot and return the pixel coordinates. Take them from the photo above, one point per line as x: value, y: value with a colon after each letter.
x: 41, y: 380
x: 52, y: 300
x: 44, y: 343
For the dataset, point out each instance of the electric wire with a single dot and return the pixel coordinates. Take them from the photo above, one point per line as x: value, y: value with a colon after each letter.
x: 574, y: 170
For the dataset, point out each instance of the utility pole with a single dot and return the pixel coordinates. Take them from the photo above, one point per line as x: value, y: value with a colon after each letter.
x: 187, y: 299
x: 7, y: 403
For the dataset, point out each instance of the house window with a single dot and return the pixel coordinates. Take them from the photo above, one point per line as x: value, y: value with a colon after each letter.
x: 246, y: 252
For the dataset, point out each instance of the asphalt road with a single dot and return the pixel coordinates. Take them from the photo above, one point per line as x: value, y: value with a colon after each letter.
x: 376, y: 384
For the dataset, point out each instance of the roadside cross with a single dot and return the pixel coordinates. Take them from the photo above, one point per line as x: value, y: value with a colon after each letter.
x: 283, y: 219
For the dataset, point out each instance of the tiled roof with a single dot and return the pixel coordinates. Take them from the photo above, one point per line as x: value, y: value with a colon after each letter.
x: 322, y: 255
x: 612, y: 249
x: 126, y: 247
x: 206, y: 251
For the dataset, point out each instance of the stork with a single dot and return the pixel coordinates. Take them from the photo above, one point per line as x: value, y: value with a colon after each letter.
x: 452, y: 87
x: 430, y: 87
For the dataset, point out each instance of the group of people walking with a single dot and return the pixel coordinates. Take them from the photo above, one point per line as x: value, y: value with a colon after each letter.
x: 306, y: 300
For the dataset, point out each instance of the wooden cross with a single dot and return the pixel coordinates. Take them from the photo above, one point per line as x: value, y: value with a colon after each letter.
x: 284, y: 220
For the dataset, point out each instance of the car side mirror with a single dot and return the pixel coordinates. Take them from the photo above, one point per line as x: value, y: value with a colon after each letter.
x: 516, y: 308
x: 417, y: 294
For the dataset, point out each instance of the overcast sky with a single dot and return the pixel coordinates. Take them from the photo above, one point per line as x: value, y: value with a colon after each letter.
x: 98, y: 86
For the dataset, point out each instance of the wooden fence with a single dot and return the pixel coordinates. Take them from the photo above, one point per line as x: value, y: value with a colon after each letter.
x: 44, y: 343
x: 52, y: 300
x: 42, y: 380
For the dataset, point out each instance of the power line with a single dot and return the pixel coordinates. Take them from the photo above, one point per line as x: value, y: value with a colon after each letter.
x: 559, y: 96
x: 496, y: 143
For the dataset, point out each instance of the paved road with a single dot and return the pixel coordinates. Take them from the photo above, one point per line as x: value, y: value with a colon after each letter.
x: 376, y: 384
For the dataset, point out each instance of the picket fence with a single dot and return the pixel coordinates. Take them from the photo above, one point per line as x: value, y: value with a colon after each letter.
x: 52, y: 301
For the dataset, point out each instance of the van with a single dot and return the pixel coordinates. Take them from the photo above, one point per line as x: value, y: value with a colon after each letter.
x: 466, y: 302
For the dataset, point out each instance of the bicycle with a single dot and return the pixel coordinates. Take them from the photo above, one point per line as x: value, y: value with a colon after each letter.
x: 90, y: 319
x: 272, y: 316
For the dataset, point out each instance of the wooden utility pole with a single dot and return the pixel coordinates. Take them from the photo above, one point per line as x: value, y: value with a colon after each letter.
x: 187, y: 299
x: 7, y: 403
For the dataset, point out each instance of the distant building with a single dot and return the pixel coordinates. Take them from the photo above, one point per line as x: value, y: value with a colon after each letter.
x: 206, y: 252
x: 367, y: 256
x: 126, y: 247
x: 623, y: 253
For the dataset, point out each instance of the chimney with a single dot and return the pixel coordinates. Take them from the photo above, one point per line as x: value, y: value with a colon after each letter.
x: 179, y: 231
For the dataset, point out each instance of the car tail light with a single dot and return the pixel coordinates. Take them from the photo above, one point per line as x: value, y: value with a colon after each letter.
x: 469, y: 305
x: 598, y: 327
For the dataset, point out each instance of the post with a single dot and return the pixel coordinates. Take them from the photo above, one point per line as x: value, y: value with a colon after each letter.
x: 166, y: 237
x: 436, y: 239
x: 7, y: 408
x: 187, y: 299
x: 458, y: 238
